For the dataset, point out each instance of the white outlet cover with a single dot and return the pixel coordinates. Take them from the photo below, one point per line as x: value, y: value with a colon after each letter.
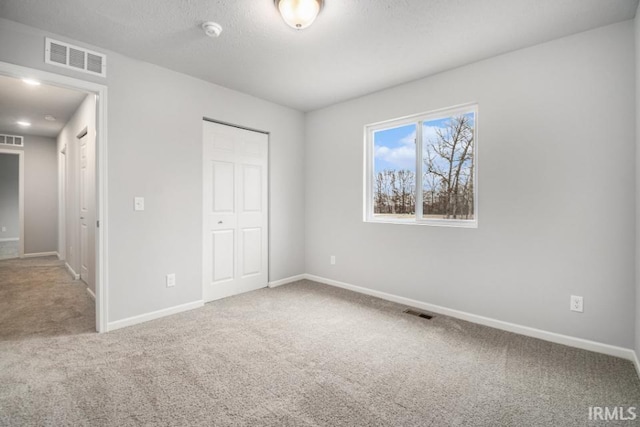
x: 138, y: 203
x: 576, y: 304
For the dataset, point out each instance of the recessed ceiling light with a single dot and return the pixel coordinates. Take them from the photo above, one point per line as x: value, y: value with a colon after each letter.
x: 31, y: 82
x: 50, y: 118
x: 23, y: 123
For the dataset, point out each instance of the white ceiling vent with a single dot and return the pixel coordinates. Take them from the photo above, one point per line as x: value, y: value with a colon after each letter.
x: 12, y: 140
x: 74, y: 57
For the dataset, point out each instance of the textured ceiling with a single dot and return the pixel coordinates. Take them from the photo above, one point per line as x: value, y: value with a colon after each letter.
x: 354, y: 47
x: 19, y: 101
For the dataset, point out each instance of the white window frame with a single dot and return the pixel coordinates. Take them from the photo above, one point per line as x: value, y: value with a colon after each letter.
x: 418, y: 119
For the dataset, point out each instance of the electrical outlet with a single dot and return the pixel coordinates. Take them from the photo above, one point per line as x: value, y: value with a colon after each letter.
x: 171, y: 280
x: 333, y: 260
x: 576, y: 304
x: 4, y: 229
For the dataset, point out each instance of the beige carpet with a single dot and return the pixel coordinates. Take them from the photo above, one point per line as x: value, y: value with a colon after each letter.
x: 9, y: 249
x: 299, y: 355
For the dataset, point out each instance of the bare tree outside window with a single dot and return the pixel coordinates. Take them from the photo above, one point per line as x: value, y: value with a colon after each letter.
x: 395, y: 172
x: 426, y: 180
x: 448, y: 163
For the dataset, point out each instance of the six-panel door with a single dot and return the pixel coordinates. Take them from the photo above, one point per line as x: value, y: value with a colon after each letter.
x: 235, y: 231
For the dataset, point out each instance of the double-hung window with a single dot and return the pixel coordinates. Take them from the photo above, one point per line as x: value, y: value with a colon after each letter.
x: 423, y: 169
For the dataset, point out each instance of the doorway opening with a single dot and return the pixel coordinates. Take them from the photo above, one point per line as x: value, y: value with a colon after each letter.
x: 11, y: 204
x: 73, y: 227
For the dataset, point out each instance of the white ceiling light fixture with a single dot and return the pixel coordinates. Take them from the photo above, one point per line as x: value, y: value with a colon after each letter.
x: 299, y: 14
x: 23, y: 123
x: 31, y: 82
x: 212, y: 29
x: 50, y: 118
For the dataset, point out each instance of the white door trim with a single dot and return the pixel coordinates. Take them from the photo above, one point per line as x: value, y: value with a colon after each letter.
x: 20, y: 154
x: 102, y: 259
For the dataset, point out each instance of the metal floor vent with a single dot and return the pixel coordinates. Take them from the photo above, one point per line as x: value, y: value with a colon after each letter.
x: 419, y: 314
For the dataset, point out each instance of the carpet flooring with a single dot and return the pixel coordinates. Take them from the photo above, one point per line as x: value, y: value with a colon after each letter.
x: 302, y: 354
x: 9, y: 249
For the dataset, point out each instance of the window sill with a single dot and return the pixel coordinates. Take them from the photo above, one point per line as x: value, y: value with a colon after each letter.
x: 431, y: 222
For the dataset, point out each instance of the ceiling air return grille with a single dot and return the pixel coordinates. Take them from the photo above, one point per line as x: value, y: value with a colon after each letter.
x: 11, y: 140
x: 74, y: 57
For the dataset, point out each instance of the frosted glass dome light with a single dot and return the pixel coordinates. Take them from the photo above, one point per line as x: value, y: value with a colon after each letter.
x: 299, y: 14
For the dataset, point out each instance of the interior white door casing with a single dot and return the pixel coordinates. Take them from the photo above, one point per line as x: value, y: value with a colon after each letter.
x: 235, y: 225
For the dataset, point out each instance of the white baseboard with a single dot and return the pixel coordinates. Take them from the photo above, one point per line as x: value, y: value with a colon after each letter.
x: 39, y: 254
x: 10, y: 239
x: 624, y: 353
x: 91, y: 293
x: 130, y: 321
x: 636, y: 362
x: 286, y: 280
x: 75, y: 275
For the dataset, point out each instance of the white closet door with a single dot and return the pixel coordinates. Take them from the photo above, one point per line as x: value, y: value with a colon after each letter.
x: 236, y: 220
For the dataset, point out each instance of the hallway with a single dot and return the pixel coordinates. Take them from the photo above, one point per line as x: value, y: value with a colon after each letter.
x: 38, y: 298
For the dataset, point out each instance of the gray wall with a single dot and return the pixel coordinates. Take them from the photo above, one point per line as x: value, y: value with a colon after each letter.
x: 40, y: 194
x: 154, y: 150
x: 556, y: 191
x: 9, y: 196
x: 637, y: 56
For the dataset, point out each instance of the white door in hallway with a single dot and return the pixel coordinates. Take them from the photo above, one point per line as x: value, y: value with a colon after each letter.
x: 235, y: 224
x: 87, y: 198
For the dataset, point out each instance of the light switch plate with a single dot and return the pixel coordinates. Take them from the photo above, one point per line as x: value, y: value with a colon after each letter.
x: 138, y: 203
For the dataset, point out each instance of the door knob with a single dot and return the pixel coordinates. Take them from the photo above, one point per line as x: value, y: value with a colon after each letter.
x: 219, y: 222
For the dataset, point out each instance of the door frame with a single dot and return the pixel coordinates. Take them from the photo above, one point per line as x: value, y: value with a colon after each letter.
x: 202, y: 225
x: 20, y: 154
x: 102, y: 264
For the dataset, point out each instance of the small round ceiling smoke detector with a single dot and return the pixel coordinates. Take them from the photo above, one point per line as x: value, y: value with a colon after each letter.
x: 212, y: 29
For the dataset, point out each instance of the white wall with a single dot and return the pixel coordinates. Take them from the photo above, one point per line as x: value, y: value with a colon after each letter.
x: 85, y: 116
x: 9, y: 196
x: 154, y: 150
x: 556, y: 191
x: 40, y: 194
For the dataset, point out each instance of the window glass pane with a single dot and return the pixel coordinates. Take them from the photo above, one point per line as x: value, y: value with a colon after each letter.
x: 448, y: 167
x: 394, y: 169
